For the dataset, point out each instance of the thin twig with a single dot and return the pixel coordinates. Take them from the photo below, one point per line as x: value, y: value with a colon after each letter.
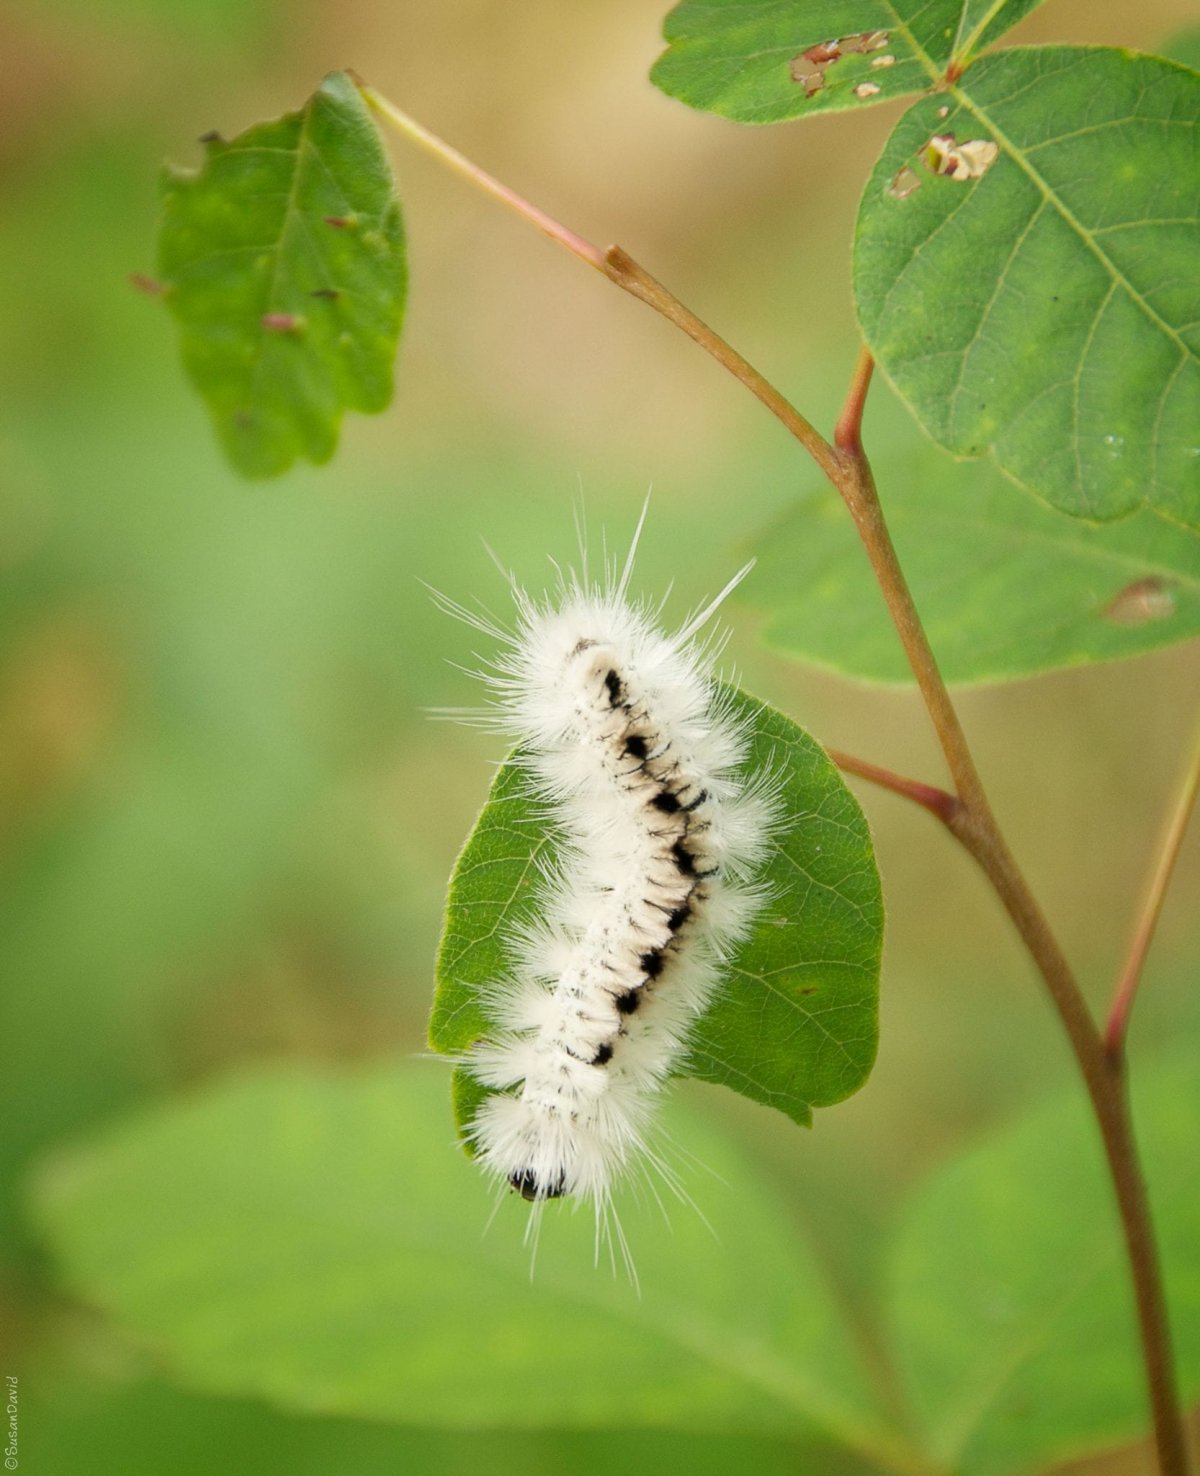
x: 1168, y: 853
x: 481, y: 179
x: 937, y: 801
x: 847, y: 434
x: 620, y: 267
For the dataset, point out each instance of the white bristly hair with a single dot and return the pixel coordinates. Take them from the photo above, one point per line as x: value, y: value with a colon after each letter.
x: 634, y: 755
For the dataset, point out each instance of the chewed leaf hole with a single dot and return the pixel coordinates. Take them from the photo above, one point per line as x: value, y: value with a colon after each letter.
x: 904, y: 182
x: 809, y: 67
x: 1142, y: 602
x: 943, y: 154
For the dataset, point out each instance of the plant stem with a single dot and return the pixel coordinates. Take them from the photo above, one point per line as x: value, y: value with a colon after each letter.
x: 937, y: 801
x: 976, y: 827
x: 969, y: 817
x: 847, y: 434
x: 620, y: 268
x: 480, y: 178
x: 1168, y: 853
x: 974, y: 824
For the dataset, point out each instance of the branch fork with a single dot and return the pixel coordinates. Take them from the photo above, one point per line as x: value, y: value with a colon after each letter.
x: 966, y: 811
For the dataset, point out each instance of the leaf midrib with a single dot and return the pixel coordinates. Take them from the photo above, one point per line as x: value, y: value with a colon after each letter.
x: 1052, y: 198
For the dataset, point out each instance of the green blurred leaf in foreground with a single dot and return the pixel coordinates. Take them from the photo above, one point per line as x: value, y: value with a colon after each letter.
x: 1011, y: 1308
x: 764, y: 61
x: 100, y: 1427
x: 314, y: 1240
x: 310, y: 1239
x: 1006, y: 588
x: 1025, y: 274
x: 794, y: 1024
x: 283, y: 259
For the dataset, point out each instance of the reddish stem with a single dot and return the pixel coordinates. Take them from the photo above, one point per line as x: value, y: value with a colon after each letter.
x: 847, y: 435
x: 1168, y: 853
x: 481, y: 179
x: 937, y: 801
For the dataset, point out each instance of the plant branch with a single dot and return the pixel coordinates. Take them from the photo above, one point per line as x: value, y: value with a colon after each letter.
x: 620, y: 268
x: 970, y: 818
x: 974, y: 824
x: 1168, y: 853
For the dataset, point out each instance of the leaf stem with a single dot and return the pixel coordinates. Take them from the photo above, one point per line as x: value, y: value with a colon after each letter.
x: 971, y: 820
x: 1168, y: 853
x: 480, y: 178
x: 938, y: 801
x: 847, y: 434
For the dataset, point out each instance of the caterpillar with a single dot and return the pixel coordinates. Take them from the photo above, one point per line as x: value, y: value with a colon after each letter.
x: 633, y: 752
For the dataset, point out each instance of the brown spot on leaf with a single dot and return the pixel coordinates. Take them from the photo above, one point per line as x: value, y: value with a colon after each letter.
x: 864, y: 41
x: 905, y: 182
x: 810, y: 77
x: 943, y: 154
x: 809, y: 67
x: 282, y: 322
x: 866, y: 89
x: 151, y: 286
x: 1142, y: 602
x: 884, y: 61
x: 823, y: 53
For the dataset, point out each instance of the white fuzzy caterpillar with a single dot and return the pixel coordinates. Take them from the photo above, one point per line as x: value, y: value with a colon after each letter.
x: 634, y: 753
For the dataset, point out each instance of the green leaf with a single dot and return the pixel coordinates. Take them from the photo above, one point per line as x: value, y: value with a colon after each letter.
x: 1048, y: 309
x: 795, y: 1021
x: 1010, y: 1299
x: 106, y: 1427
x: 316, y: 1241
x: 283, y: 260
x: 1006, y: 587
x: 746, y: 59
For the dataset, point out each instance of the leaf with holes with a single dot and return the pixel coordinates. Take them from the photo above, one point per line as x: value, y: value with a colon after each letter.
x: 794, y: 1024
x: 283, y: 260
x: 763, y: 61
x: 1025, y: 270
x: 1005, y: 586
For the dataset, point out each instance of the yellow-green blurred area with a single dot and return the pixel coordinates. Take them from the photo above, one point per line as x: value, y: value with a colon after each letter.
x: 226, y: 815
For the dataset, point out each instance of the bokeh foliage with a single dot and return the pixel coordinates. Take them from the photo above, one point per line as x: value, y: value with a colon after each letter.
x: 227, y: 826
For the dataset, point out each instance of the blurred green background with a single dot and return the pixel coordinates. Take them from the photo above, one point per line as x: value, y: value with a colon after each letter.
x: 225, y: 818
